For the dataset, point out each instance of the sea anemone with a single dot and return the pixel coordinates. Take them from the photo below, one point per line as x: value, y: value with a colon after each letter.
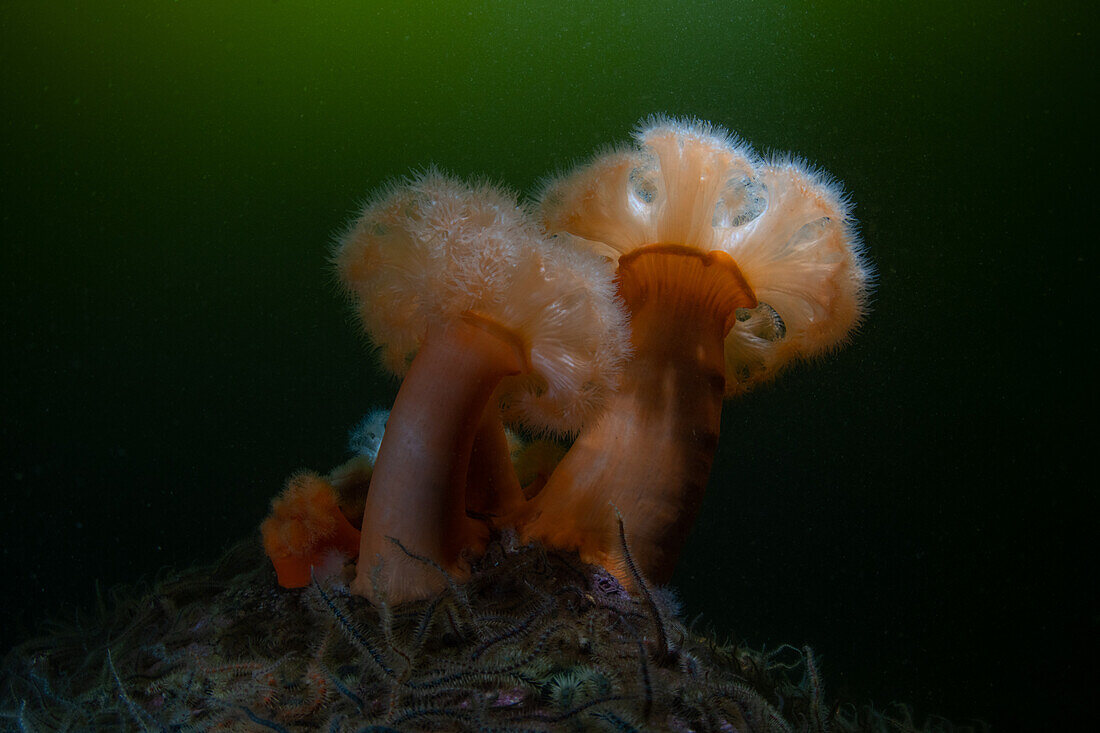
x: 305, y: 528
x: 730, y: 267
x: 463, y: 296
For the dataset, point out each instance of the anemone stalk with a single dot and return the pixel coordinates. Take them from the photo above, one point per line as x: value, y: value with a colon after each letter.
x: 650, y: 453
x: 418, y: 490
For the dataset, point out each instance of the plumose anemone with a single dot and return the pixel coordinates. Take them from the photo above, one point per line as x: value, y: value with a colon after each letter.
x: 466, y: 299
x: 730, y: 267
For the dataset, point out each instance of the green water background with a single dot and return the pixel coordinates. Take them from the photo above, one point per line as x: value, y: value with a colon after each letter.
x: 914, y: 508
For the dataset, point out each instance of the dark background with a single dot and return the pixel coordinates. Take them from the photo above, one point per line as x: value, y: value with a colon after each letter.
x: 173, y: 346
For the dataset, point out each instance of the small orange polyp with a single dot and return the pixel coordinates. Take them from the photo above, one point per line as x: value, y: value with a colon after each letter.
x: 306, y: 525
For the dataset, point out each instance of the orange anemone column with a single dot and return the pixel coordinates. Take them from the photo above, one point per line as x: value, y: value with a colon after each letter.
x: 418, y: 490
x: 650, y: 453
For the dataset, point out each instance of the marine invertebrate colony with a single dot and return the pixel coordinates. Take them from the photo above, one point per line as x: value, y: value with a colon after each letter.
x: 683, y: 261
x: 534, y: 641
x: 684, y: 270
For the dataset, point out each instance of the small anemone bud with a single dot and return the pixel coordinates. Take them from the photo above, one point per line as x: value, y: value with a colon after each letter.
x: 305, y: 528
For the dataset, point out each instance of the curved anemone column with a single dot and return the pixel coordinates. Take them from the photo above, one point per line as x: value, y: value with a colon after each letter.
x: 418, y: 490
x: 650, y: 453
